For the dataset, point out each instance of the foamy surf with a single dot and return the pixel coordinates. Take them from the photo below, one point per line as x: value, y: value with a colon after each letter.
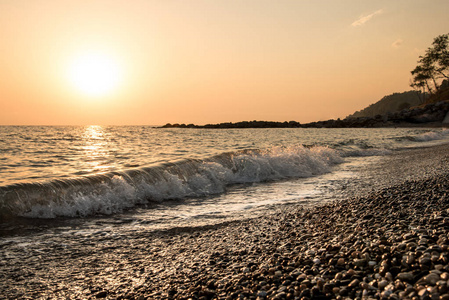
x: 432, y: 135
x: 114, y: 192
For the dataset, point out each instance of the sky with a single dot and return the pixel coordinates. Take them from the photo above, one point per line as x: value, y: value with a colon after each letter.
x: 145, y: 62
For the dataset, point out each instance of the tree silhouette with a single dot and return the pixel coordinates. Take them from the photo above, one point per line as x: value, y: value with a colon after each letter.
x: 433, y: 66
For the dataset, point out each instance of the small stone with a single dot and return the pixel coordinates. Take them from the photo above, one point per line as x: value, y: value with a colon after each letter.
x: 425, y: 261
x: 101, y: 294
x: 407, y: 276
x: 341, y: 261
x: 433, y: 290
x: 390, y: 287
x: 327, y: 288
x: 435, y: 248
x: 439, y: 268
x: 354, y: 283
x: 282, y: 289
x: 385, y: 294
x: 432, y: 279
x: 442, y: 286
x: 399, y: 285
x: 423, y: 242
x: 310, y: 252
x: 444, y: 297
x: 344, y: 291
x: 281, y: 295
x: 301, y: 277
x: 435, y: 271
x: 365, y: 293
x: 423, y: 293
x: 394, y: 296
x: 359, y: 262
x: 410, y: 259
x: 411, y: 246
x: 408, y: 236
x: 382, y: 284
x: 320, y: 283
x: 305, y: 293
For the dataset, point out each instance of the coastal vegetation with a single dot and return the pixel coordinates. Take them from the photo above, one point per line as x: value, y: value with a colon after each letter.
x: 433, y: 67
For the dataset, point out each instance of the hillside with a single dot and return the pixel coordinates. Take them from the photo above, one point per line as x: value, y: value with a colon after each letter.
x: 389, y: 104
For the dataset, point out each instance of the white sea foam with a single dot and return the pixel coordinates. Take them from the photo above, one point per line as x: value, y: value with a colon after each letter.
x: 432, y: 135
x: 209, y: 177
x: 100, y: 198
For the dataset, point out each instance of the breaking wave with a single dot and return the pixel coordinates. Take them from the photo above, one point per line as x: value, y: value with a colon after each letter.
x: 432, y: 135
x: 113, y: 192
x: 428, y: 136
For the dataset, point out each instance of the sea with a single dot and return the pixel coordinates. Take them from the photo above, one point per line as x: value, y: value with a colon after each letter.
x: 109, y: 179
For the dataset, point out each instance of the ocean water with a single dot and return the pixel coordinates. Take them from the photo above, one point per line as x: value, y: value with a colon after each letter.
x: 152, y: 178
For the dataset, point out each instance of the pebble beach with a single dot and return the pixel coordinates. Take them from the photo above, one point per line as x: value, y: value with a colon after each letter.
x: 384, y: 237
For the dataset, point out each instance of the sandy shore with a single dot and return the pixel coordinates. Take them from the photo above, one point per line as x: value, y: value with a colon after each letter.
x: 388, y: 238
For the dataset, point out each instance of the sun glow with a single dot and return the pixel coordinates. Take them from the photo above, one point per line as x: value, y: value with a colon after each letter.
x: 95, y: 74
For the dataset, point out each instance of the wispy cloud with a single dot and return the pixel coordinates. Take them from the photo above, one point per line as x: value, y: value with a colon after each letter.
x: 397, y: 43
x: 363, y: 19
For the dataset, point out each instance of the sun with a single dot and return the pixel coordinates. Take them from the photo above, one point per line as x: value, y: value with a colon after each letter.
x: 95, y: 74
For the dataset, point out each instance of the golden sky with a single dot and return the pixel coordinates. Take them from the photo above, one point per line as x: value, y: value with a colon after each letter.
x: 153, y: 62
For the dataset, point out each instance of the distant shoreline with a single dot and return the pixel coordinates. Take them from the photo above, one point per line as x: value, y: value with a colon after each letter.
x: 320, y: 124
x: 432, y: 115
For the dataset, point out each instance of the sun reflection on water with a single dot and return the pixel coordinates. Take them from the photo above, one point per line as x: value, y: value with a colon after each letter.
x: 95, y: 149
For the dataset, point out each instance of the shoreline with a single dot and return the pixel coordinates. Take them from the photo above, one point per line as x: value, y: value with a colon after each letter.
x: 386, y: 238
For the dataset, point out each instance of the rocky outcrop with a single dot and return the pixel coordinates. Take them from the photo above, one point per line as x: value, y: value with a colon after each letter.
x: 430, y: 115
x: 244, y: 124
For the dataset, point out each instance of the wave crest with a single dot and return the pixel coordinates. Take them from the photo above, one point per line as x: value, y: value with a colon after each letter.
x: 113, y: 192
